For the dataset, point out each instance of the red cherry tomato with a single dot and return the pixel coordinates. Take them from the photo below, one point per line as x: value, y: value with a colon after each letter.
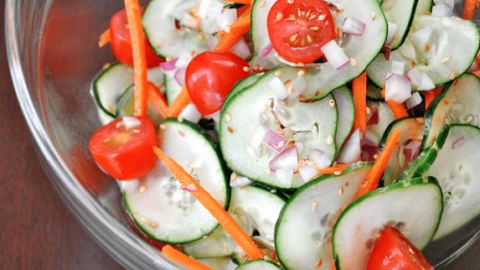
x: 394, y: 251
x: 210, y: 76
x: 299, y: 30
x: 122, y: 44
x: 125, y: 154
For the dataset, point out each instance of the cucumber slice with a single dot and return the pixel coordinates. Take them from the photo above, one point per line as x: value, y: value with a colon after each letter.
x: 361, y: 48
x: 125, y: 107
x: 373, y: 92
x: 463, y: 107
x: 159, y: 25
x: 311, y: 124
x: 424, y: 7
x: 456, y: 168
x: 222, y: 263
x: 259, y: 264
x: 157, y: 205
x: 248, y: 81
x: 303, y: 233
x: 172, y: 87
x: 346, y: 115
x: 412, y: 130
x: 447, y: 58
x: 413, y: 206
x: 110, y: 85
x: 400, y: 12
x: 385, y: 117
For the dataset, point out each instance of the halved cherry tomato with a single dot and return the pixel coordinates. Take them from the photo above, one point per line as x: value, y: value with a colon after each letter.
x: 394, y: 251
x: 122, y: 44
x: 211, y: 75
x: 299, y: 29
x: 125, y: 154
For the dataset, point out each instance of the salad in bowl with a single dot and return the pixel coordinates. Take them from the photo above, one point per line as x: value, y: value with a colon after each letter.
x: 294, y: 134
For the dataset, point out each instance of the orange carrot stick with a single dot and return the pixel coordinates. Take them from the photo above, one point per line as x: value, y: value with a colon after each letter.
x: 158, y: 100
x: 370, y: 182
x: 230, y: 38
x: 179, y: 103
x: 139, y: 63
x: 359, y: 88
x: 397, y: 108
x: 430, y: 95
x: 477, y: 73
x: 333, y: 169
x: 183, y: 259
x: 243, y: 22
x: 469, y: 8
x: 104, y: 38
x: 242, y: 11
x: 246, y: 2
x: 213, y: 206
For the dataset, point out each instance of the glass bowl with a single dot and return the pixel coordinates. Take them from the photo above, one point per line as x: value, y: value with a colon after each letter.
x: 53, y: 52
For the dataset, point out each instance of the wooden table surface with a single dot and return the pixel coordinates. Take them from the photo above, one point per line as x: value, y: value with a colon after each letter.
x: 36, y: 229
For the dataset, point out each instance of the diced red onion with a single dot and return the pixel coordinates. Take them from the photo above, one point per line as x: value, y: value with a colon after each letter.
x: 411, y: 150
x: 299, y: 86
x: 370, y: 138
x: 241, y: 181
x: 227, y: 18
x: 241, y: 49
x: 389, y: 75
x: 180, y: 75
x: 420, y: 38
x: 184, y: 59
x: 398, y: 67
x: 212, y: 42
x: 398, y: 88
x: 386, y: 50
x: 351, y: 149
x: 209, y: 26
x: 459, y: 142
x: 191, y: 113
x: 190, y: 188
x: 335, y: 55
x: 284, y: 177
x: 392, y: 30
x: 307, y: 173
x: 131, y: 122
x: 258, y: 137
x: 279, y: 88
x: 169, y: 66
x: 319, y: 158
x: 427, y: 83
x: 203, y: 8
x: 266, y: 50
x: 407, y: 50
x: 442, y: 10
x: 353, y: 26
x: 274, y: 140
x: 413, y: 101
x: 287, y: 160
x: 415, y: 76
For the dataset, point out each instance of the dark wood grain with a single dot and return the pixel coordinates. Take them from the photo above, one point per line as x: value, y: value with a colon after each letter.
x: 36, y: 229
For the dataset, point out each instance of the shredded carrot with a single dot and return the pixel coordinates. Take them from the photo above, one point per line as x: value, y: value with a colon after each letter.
x: 477, y: 73
x: 430, y: 95
x: 213, y: 206
x: 183, y: 259
x: 370, y: 182
x: 179, y: 103
x: 104, y: 38
x: 333, y: 169
x: 469, y: 9
x: 242, y: 23
x: 242, y: 11
x: 158, y: 100
x: 139, y: 62
x: 397, y: 108
x: 359, y: 88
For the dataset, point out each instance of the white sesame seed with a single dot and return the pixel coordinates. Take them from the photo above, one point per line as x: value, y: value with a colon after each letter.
x: 260, y: 74
x: 332, y: 103
x: 228, y: 117
x: 153, y: 224
x: 300, y: 64
x: 374, y: 16
x: 452, y: 75
x: 142, y: 189
x: 246, y: 68
x: 340, y: 191
x: 309, y: 162
x: 118, y: 125
x: 278, y: 73
x: 353, y: 62
x: 262, y: 4
x: 329, y: 140
x: 269, y: 171
x: 291, y: 89
x: 314, y: 206
x: 375, y: 156
x: 191, y: 164
x: 264, y: 108
x: 446, y: 59
x: 136, y: 130
x: 368, y: 110
x: 162, y: 126
x: 301, y: 72
x: 180, y: 119
x: 168, y: 58
x: 281, y: 144
x: 290, y: 1
x: 337, y: 172
x: 233, y: 177
x: 227, y: 29
x: 469, y: 120
x: 144, y: 219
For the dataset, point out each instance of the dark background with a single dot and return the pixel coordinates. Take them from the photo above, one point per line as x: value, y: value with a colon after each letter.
x: 36, y: 230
